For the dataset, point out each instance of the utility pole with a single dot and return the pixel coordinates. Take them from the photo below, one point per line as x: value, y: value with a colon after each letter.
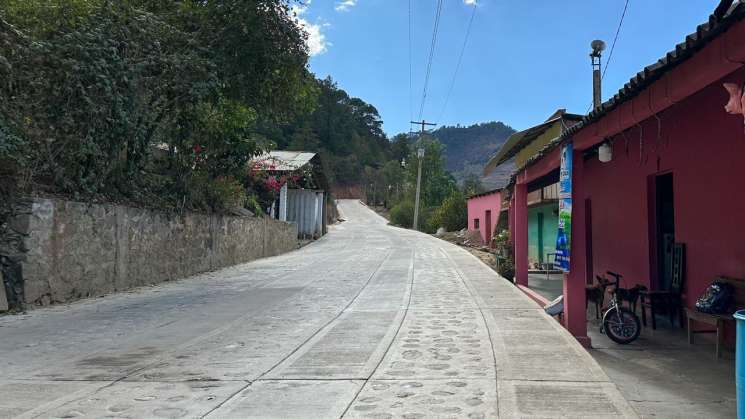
x: 420, y: 155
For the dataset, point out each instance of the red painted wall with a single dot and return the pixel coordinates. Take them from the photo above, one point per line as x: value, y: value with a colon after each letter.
x: 704, y: 148
x: 477, y: 208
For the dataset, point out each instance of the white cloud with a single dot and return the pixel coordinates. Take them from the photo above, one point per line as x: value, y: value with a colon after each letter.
x: 317, y: 43
x: 470, y: 2
x: 345, y: 5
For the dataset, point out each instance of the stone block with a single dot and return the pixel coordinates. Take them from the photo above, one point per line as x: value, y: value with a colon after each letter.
x: 71, y: 251
x: 78, y: 250
x: 3, y: 296
x: 279, y: 237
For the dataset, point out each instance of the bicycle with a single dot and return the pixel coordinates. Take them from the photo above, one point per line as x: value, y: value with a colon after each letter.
x: 620, y: 324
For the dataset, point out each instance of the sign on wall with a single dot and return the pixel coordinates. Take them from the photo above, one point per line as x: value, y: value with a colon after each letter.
x: 564, y: 236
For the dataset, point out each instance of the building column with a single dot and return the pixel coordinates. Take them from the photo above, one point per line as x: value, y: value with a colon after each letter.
x: 511, y: 220
x: 283, y: 203
x: 521, y: 233
x: 317, y: 214
x: 575, y: 317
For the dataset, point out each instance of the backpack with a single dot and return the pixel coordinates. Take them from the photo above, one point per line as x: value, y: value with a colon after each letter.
x: 717, y: 298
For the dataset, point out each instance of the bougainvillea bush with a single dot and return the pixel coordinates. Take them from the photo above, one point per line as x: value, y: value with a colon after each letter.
x: 265, y: 182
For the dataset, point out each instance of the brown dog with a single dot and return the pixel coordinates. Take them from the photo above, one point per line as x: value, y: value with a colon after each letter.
x: 630, y: 295
x: 596, y: 294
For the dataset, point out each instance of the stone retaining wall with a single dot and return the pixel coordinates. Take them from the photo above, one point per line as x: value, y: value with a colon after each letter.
x: 76, y: 250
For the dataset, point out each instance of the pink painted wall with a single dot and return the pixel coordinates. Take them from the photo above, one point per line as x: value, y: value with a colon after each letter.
x: 477, y: 208
x: 704, y: 148
x: 695, y: 140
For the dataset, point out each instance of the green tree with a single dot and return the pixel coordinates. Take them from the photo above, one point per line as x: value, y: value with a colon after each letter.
x: 453, y: 213
x: 394, y: 179
x: 257, y: 46
x: 472, y: 185
x: 148, y: 99
x: 91, y: 109
x: 437, y: 183
x: 43, y: 19
x: 400, y: 147
x: 304, y: 138
x: 402, y: 214
x: 347, y: 129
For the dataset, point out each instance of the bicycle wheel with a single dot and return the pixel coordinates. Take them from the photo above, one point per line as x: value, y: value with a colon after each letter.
x: 621, y: 325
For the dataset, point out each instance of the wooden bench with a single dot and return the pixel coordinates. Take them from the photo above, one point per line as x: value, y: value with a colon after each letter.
x: 717, y: 320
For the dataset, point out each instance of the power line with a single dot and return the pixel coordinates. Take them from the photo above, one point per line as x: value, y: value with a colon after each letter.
x: 457, y: 66
x: 411, y: 88
x: 431, y: 56
x: 613, y: 45
x: 615, y: 38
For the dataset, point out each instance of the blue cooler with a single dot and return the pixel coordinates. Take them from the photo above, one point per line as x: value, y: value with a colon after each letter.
x: 740, y: 363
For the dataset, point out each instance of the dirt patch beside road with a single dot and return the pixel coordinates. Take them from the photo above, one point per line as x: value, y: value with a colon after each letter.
x: 468, y: 240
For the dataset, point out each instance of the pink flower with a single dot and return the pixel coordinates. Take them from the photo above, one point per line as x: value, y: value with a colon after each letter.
x: 272, y: 183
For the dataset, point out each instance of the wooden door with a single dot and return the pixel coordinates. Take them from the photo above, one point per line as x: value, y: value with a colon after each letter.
x: 487, y: 218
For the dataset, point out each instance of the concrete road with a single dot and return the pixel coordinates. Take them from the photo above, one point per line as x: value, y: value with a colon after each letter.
x: 371, y: 321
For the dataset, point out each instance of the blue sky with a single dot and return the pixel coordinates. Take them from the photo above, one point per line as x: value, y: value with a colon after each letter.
x: 523, y: 60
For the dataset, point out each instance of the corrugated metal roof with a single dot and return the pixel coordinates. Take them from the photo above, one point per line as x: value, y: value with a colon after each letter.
x: 521, y: 139
x: 283, y: 161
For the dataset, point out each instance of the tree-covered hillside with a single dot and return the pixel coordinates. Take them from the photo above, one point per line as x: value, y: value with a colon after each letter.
x: 345, y: 130
x: 468, y: 149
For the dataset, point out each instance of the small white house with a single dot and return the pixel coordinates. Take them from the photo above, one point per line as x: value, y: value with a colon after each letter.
x: 303, y: 195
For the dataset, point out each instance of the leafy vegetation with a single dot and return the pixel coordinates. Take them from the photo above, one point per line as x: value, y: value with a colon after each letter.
x: 163, y: 104
x: 395, y: 185
x: 346, y: 131
x: 505, y: 257
x: 453, y: 213
x: 402, y: 214
x: 147, y: 101
x: 151, y: 102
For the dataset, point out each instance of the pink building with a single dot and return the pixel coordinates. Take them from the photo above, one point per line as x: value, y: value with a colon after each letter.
x: 672, y: 160
x: 483, y: 213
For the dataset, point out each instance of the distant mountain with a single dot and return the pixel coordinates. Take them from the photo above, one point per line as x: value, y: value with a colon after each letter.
x: 468, y: 149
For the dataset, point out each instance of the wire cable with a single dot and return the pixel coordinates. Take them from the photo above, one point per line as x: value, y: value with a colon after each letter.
x: 411, y: 84
x: 457, y: 66
x: 615, y: 38
x: 613, y: 46
x: 431, y: 56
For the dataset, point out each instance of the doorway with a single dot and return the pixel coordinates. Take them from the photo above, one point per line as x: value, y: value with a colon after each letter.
x: 487, y: 219
x: 540, y: 239
x: 589, y: 266
x: 664, y: 229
